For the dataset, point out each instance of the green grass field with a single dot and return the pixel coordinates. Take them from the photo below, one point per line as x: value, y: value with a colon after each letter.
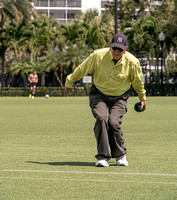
x: 47, y: 149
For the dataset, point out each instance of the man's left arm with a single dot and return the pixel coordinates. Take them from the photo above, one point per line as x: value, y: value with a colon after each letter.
x: 37, y: 79
x: 143, y: 104
x: 29, y: 78
x: 138, y: 85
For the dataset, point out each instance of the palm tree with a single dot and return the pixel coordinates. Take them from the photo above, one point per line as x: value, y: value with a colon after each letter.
x: 23, y: 68
x: 27, y: 41
x: 52, y: 61
x: 17, y: 44
x: 18, y: 10
x: 75, y: 54
x: 143, y: 38
x: 6, y: 35
x: 94, y: 29
x: 94, y: 38
x: 72, y: 32
x: 12, y: 12
x: 40, y: 36
x: 88, y: 16
x: 107, y: 26
x: 36, y: 38
x: 142, y: 4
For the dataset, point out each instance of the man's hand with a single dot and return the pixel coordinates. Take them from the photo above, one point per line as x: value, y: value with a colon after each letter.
x: 143, y: 104
x: 69, y: 91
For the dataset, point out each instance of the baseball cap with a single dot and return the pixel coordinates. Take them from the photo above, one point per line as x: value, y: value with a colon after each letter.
x: 119, y: 40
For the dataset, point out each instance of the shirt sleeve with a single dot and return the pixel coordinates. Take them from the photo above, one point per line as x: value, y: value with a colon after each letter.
x: 86, y: 67
x: 137, y: 81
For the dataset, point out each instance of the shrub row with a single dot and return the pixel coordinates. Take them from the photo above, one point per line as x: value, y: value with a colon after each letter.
x: 41, y: 91
x: 151, y: 90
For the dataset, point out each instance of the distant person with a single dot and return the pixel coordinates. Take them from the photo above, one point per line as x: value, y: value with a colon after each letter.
x: 33, y: 80
x: 115, y: 70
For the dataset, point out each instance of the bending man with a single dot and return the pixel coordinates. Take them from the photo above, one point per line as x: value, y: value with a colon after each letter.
x: 115, y: 70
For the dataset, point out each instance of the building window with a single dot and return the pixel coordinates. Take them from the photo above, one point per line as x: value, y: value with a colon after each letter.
x: 43, y: 12
x: 41, y: 3
x: 104, y: 2
x: 57, y: 3
x: 71, y: 14
x: 61, y: 10
x: 74, y: 3
x: 58, y: 14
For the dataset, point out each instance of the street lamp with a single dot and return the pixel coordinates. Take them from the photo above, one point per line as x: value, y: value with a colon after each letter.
x: 162, y: 38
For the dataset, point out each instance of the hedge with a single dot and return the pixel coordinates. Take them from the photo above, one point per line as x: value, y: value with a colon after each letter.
x: 151, y: 90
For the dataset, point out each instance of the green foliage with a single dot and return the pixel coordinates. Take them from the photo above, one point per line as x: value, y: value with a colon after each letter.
x: 22, y: 67
x: 74, y: 55
x: 51, y: 59
x: 18, y: 10
x: 72, y: 32
x: 127, y: 10
x: 166, y: 16
x: 151, y: 90
x: 143, y: 36
x: 42, y: 91
x: 51, y: 44
x: 172, y: 65
x: 155, y: 89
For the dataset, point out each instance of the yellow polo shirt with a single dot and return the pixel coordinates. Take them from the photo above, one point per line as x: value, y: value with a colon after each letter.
x: 111, y: 79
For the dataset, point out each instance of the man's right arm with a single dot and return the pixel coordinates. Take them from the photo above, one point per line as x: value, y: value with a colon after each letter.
x: 29, y: 78
x: 83, y: 69
x: 69, y: 91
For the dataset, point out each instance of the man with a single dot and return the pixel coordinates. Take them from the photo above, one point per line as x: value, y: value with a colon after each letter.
x: 115, y: 70
x: 33, y: 80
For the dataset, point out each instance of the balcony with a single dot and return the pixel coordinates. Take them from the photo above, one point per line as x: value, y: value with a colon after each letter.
x: 58, y: 3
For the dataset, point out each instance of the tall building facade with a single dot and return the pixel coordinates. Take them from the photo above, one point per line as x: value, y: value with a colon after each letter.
x: 64, y: 10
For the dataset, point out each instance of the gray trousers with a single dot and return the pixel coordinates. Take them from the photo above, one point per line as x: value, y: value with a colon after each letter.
x: 108, y: 111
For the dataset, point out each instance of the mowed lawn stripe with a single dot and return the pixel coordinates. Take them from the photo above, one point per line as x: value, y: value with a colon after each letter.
x: 80, y: 172
x: 91, y: 180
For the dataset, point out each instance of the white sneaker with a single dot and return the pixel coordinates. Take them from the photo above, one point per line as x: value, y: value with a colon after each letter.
x: 121, y: 161
x: 101, y: 163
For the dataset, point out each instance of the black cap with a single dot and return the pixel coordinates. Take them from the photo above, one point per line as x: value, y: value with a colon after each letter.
x: 119, y: 40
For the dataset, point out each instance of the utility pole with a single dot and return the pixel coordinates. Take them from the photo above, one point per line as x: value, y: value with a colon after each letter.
x: 1, y: 24
x: 115, y: 16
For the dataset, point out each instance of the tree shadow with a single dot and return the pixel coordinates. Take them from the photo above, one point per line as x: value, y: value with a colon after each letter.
x: 63, y: 163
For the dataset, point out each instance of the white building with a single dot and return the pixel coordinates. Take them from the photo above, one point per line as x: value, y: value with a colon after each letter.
x: 63, y: 10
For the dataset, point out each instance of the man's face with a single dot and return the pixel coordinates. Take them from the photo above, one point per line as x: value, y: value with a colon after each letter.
x: 34, y: 73
x: 117, y: 52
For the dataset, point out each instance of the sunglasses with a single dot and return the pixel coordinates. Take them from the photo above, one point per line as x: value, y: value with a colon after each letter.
x: 117, y: 48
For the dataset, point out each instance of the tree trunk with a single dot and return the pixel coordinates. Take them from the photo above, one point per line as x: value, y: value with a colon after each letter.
x: 157, y: 65
x: 56, y: 75
x: 25, y: 83
x: 43, y: 79
x: 61, y: 73
x: 3, y: 72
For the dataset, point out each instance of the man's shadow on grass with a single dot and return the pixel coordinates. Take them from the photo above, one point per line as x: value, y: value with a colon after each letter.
x: 63, y: 163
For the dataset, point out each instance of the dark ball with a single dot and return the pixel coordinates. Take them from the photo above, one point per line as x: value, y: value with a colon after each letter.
x: 137, y: 107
